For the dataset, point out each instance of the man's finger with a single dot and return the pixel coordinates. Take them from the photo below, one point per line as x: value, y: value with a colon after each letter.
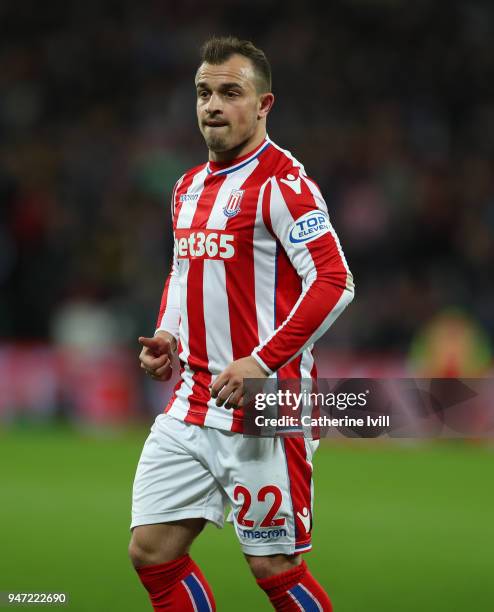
x: 163, y: 370
x: 157, y: 378
x: 219, y: 383
x: 157, y: 345
x: 234, y: 399
x: 153, y: 363
x: 225, y: 393
x: 151, y: 343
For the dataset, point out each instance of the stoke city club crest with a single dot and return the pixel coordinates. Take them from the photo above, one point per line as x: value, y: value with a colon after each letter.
x: 232, y: 207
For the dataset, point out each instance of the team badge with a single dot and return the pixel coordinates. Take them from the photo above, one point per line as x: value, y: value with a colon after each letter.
x: 232, y: 207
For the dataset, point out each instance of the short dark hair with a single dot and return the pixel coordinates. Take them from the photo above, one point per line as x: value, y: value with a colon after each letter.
x: 218, y: 49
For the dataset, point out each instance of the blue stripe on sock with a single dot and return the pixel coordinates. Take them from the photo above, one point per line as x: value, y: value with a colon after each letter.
x: 307, y: 603
x: 197, y: 593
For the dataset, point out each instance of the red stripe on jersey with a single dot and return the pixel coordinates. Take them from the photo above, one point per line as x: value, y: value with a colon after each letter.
x: 198, y: 399
x: 198, y: 355
x: 237, y: 422
x: 300, y: 476
x: 266, y: 209
x: 240, y: 287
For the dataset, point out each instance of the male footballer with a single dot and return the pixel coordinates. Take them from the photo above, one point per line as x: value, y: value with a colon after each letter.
x: 258, y: 276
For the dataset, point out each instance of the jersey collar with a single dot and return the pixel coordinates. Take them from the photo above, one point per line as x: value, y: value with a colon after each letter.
x: 219, y: 168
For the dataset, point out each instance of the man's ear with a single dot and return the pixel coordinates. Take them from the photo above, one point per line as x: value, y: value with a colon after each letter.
x: 266, y: 102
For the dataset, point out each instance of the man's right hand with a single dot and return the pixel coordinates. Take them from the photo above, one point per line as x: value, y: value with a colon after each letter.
x: 156, y: 355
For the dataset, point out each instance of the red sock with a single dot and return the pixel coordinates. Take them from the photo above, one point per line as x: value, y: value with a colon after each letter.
x: 177, y: 586
x: 296, y: 590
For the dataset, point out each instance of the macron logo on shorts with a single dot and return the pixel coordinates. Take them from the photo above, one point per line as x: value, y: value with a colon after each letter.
x: 304, y: 517
x: 271, y: 534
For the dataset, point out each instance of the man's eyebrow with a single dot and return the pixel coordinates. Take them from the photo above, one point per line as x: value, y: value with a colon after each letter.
x: 203, y: 84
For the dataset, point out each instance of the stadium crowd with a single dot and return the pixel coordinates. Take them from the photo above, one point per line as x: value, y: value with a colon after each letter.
x: 390, y: 105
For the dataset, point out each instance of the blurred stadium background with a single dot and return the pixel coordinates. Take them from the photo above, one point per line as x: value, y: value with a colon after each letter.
x: 390, y: 106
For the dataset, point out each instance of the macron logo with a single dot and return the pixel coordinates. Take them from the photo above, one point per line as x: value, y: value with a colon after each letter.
x: 293, y: 183
x: 304, y: 517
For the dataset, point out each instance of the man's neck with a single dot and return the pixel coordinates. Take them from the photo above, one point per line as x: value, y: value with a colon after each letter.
x: 242, y: 149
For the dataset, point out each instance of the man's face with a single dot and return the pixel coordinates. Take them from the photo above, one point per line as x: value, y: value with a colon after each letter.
x: 227, y: 103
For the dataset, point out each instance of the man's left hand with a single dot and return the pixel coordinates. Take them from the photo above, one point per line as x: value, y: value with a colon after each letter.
x: 229, y: 386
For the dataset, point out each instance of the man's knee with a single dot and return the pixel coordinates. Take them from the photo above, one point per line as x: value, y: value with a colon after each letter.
x: 264, y: 567
x: 153, y: 544
x: 142, y: 550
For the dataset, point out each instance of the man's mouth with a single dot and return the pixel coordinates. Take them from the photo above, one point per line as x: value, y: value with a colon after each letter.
x: 215, y: 123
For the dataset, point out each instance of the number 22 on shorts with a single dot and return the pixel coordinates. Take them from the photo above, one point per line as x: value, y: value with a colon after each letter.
x: 262, y: 495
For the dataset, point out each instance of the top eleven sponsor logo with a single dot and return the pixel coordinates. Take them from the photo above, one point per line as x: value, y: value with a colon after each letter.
x: 232, y: 207
x: 310, y: 226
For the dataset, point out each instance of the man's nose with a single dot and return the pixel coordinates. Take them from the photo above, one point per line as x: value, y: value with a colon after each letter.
x: 214, y: 104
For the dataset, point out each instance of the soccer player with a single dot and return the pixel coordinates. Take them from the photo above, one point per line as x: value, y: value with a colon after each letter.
x: 258, y: 275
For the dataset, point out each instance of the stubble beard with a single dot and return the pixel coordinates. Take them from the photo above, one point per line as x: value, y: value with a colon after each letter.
x: 216, y: 143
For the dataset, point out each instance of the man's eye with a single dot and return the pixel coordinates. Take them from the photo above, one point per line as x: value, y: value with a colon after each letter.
x: 232, y: 94
x: 203, y: 94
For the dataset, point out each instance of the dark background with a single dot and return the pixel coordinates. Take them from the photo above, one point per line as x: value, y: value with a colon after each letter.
x: 388, y: 104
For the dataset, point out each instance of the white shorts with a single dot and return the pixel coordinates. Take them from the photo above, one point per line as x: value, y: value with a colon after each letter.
x: 188, y: 471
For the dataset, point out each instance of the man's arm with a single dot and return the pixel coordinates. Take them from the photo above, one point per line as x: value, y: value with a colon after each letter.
x: 297, y: 215
x: 156, y: 354
x: 169, y: 312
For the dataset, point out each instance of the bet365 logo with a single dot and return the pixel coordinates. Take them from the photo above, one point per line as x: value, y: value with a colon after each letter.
x: 205, y: 244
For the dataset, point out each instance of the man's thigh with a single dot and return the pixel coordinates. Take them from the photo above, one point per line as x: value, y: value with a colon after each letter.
x: 269, y: 485
x: 171, y: 484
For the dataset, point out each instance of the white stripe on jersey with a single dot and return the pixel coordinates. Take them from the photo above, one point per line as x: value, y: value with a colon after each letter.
x: 306, y: 362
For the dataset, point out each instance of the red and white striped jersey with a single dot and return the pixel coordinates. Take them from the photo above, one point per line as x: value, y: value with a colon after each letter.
x: 257, y: 269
